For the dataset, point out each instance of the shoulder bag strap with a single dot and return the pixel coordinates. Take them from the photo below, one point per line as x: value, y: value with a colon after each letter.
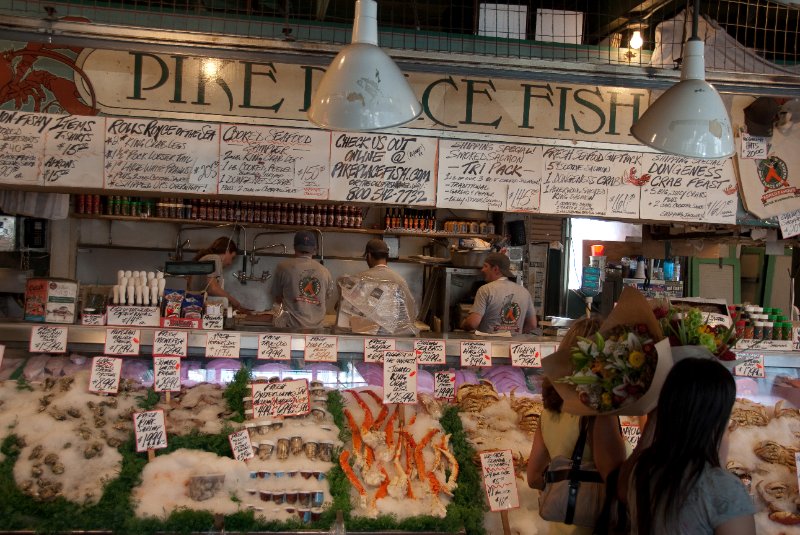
x: 574, y: 473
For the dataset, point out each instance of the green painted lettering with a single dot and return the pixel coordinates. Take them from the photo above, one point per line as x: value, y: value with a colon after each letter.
x: 579, y: 99
x: 526, y: 101
x: 562, y: 108
x: 138, y: 66
x: 308, y: 85
x: 470, y: 104
x: 177, y: 97
x: 612, y: 113
x: 426, y: 96
x: 249, y: 73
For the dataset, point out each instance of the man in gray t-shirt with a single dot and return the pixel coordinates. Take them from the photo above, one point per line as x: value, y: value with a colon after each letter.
x: 302, y: 286
x: 500, y: 305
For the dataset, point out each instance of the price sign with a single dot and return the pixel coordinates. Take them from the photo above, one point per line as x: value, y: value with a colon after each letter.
x: 526, y: 355
x: 476, y: 353
x: 789, y: 223
x: 105, y: 375
x: 167, y: 374
x: 430, y: 351
x: 374, y: 348
x: 444, y: 385
x: 399, y: 377
x: 753, y: 366
x: 240, y: 445
x: 497, y: 468
x: 150, y: 430
x: 275, y: 346
x: 631, y: 434
x: 134, y: 316
x: 124, y: 342
x: 284, y: 398
x: 321, y: 349
x: 170, y: 343
x: 46, y: 339
x: 753, y: 147
x: 223, y: 345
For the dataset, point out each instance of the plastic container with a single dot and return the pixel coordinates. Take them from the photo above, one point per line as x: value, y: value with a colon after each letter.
x: 758, y: 330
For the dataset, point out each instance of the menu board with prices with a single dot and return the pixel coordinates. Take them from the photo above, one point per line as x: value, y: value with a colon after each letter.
x: 685, y: 189
x: 274, y: 346
x: 497, y: 469
x: 321, y: 349
x: 284, y: 398
x: 104, y: 378
x: 383, y: 169
x: 22, y: 140
x: 167, y: 374
x: 399, y: 377
x: 375, y: 347
x: 73, y: 152
x: 223, y: 345
x: 123, y: 342
x: 430, y: 351
x: 444, y: 385
x: 241, y: 446
x: 150, y: 430
x: 482, y: 175
x: 476, y: 354
x: 47, y: 339
x: 163, y: 156
x: 274, y: 162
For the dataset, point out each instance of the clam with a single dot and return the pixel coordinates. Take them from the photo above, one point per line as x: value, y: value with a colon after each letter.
x: 36, y: 470
x: 36, y: 452
x: 74, y: 412
x: 51, y: 459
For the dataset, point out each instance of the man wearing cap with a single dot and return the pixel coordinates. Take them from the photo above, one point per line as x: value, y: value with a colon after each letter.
x: 500, y: 305
x: 302, y: 286
x: 376, y: 254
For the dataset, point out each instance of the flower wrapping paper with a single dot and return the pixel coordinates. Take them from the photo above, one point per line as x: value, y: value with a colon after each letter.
x: 632, y: 309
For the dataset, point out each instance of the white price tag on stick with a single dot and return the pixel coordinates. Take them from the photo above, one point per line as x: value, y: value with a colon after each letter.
x: 167, y: 374
x: 241, y: 446
x: 399, y: 377
x: 150, y: 430
x: 444, y: 385
x: 47, y: 339
x: 105, y: 375
x: 497, y: 468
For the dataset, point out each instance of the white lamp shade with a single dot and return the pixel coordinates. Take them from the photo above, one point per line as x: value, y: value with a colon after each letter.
x: 689, y: 119
x: 363, y: 89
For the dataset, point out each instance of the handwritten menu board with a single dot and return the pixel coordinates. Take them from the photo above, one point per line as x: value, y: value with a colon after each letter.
x: 482, y: 175
x: 241, y: 446
x: 223, y: 344
x: 590, y: 182
x: 46, y: 339
x: 321, y: 349
x: 274, y: 162
x: 525, y: 355
x: 275, y: 346
x: 167, y: 374
x: 430, y: 351
x: 22, y: 146
x: 170, y: 343
x: 374, y: 348
x: 164, y: 156
x: 686, y: 189
x: 73, y: 152
x: 284, y: 398
x: 399, y: 377
x: 444, y: 385
x: 497, y: 469
x: 381, y: 168
x: 122, y: 342
x: 150, y: 430
x: 476, y: 353
x: 104, y: 378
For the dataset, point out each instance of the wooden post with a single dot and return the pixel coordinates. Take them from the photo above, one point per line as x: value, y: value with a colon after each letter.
x: 151, y: 455
x: 506, y: 525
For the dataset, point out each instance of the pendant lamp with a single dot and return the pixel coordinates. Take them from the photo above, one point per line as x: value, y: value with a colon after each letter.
x: 363, y: 89
x: 689, y: 119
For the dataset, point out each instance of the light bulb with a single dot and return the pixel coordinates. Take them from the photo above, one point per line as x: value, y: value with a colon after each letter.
x: 636, y: 40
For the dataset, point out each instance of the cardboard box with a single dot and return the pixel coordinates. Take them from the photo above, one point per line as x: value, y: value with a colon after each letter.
x: 50, y: 300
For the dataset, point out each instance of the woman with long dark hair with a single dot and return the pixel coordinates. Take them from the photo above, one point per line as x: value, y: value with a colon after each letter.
x: 676, y: 484
x: 222, y: 252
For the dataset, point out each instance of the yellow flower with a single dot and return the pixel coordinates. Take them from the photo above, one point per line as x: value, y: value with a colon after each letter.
x: 636, y: 359
x: 606, y: 399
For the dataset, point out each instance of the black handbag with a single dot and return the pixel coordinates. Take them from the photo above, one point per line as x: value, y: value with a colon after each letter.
x: 574, y: 491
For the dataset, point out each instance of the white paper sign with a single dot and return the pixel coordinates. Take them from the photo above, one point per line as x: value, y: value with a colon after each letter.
x: 525, y: 355
x: 374, y: 348
x: 275, y: 346
x: 150, y: 430
x: 476, y: 353
x: 790, y: 223
x: 170, y: 343
x: 399, y: 377
x: 22, y: 142
x: 122, y: 342
x: 430, y: 351
x: 631, y: 434
x: 74, y: 152
x: 497, y: 469
x: 753, y: 366
x: 223, y: 344
x: 321, y: 349
x: 105, y: 375
x: 133, y: 316
x: 241, y: 446
x: 284, y: 398
x: 444, y: 385
x: 167, y: 374
x: 46, y: 339
x: 753, y: 147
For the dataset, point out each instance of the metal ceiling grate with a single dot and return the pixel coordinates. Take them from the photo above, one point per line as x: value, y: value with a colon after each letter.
x: 753, y: 36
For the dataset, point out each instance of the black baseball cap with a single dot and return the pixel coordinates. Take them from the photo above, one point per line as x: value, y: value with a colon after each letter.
x: 305, y: 241
x: 502, y: 261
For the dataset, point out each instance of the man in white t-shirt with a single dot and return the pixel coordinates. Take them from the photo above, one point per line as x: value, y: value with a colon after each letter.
x: 501, y: 305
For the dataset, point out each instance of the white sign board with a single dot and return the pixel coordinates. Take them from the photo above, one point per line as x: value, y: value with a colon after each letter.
x: 283, y: 398
x: 275, y: 346
x: 122, y: 342
x: 430, y: 351
x: 399, y: 377
x: 167, y: 374
x: 47, y: 339
x: 476, y: 353
x: 241, y: 446
x: 497, y: 469
x: 168, y: 343
x: 223, y: 344
x: 374, y: 348
x: 525, y: 355
x: 150, y: 430
x: 104, y: 378
x: 444, y: 385
x: 321, y: 349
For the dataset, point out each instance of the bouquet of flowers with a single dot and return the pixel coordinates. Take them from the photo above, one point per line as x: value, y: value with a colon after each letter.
x: 691, y: 327
x: 618, y: 370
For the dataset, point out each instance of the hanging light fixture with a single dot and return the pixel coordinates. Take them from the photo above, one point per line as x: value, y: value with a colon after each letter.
x: 636, y: 40
x: 363, y: 89
x: 689, y: 119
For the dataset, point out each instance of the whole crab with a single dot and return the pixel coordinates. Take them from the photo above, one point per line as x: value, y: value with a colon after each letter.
x: 747, y: 413
x: 772, y: 452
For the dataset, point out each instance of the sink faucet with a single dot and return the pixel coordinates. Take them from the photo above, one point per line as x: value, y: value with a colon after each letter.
x: 253, y: 260
x: 179, y: 247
